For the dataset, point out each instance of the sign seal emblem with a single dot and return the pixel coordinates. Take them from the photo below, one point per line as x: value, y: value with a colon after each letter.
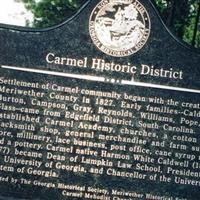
x: 119, y: 27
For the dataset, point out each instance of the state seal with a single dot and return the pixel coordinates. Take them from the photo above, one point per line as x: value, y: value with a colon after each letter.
x: 119, y: 27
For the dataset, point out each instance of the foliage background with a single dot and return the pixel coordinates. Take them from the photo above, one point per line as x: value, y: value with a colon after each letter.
x: 181, y: 16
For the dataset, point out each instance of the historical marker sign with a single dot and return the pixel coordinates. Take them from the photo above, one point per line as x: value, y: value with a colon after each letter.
x: 105, y: 106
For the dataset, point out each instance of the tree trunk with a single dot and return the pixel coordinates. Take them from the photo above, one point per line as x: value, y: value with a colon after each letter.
x: 170, y: 18
x: 196, y: 26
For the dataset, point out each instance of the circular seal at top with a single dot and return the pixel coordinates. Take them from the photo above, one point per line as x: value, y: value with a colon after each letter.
x: 119, y: 27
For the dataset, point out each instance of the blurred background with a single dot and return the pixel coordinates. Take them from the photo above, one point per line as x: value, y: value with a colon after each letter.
x: 181, y: 16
